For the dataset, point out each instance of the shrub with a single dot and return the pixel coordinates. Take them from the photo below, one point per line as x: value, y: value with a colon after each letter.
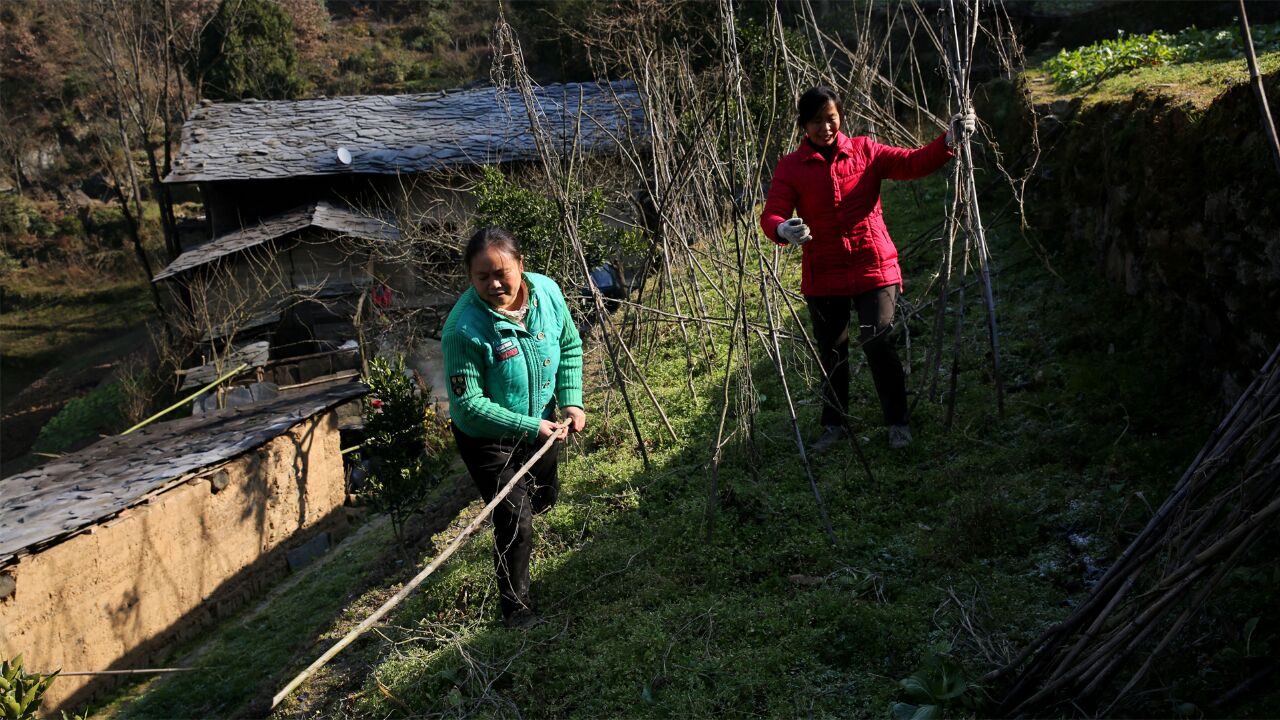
x: 535, y: 220
x: 69, y: 225
x: 15, y: 215
x: 405, y: 443
x: 106, y: 222
x: 81, y: 419
x: 431, y: 29
x: 8, y: 263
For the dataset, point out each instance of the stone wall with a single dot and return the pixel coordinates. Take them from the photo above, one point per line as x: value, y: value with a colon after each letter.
x: 120, y: 594
x: 1177, y: 205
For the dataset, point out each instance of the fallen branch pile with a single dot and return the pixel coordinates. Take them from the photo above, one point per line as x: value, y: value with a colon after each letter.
x: 1224, y: 504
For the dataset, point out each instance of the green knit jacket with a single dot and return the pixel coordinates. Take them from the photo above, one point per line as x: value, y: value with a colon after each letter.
x: 502, y: 377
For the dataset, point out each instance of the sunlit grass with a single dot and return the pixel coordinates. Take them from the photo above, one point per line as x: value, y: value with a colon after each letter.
x: 647, y: 616
x: 1194, y: 84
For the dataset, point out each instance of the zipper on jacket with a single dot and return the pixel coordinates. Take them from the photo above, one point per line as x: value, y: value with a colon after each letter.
x: 521, y: 333
x: 528, y: 366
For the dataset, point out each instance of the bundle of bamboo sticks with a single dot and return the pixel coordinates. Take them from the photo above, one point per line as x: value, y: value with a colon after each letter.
x: 1224, y: 504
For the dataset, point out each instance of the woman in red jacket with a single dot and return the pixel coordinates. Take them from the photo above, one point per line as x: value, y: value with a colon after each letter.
x: 831, y: 182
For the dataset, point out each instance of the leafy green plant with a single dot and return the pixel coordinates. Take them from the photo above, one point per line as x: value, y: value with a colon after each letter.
x: 20, y: 691
x: 405, y: 443
x: 1222, y: 43
x: 1072, y: 69
x: 1084, y: 66
x: 939, y: 686
x: 82, y: 418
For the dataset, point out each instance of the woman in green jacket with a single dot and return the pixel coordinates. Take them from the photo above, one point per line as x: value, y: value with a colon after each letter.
x: 512, y: 354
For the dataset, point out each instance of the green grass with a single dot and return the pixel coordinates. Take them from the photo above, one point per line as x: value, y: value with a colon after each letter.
x: 1195, y: 84
x: 647, y: 617
x: 962, y: 545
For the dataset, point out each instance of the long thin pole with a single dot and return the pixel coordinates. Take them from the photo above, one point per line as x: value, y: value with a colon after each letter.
x: 135, y: 671
x: 973, y: 226
x: 184, y: 401
x: 418, y: 579
x: 1255, y: 79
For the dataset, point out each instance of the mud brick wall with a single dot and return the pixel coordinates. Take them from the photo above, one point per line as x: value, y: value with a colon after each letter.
x: 119, y: 595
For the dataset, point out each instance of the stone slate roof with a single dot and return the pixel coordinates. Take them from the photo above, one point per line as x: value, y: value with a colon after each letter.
x: 255, y: 355
x: 63, y: 497
x: 389, y: 134
x: 339, y: 219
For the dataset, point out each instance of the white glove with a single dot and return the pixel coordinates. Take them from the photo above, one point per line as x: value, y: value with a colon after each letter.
x: 966, y: 122
x: 794, y: 231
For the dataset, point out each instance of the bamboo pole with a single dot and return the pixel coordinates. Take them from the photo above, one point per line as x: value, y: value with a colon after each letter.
x: 418, y: 579
x: 185, y: 400
x: 136, y: 671
x: 1255, y: 79
x: 974, y: 232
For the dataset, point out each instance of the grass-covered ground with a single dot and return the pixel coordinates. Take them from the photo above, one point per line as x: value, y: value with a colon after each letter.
x: 1193, y: 84
x: 248, y: 650
x: 964, y: 546
x: 967, y: 544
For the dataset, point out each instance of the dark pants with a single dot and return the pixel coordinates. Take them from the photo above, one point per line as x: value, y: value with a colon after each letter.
x: 830, y: 316
x: 492, y: 463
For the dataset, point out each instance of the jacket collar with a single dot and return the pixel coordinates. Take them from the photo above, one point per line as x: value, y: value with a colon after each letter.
x: 844, y: 147
x: 500, y: 320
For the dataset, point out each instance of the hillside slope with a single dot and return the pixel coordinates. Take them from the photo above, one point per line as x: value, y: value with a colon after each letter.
x: 964, y: 547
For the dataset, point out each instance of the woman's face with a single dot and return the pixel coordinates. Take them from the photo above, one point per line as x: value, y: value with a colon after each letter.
x: 495, y: 274
x: 821, y: 129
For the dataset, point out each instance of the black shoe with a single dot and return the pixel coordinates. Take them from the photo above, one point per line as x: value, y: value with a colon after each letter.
x: 523, y: 619
x: 899, y: 436
x: 832, y: 435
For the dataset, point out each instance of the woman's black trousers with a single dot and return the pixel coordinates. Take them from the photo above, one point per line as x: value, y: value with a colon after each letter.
x: 492, y: 463
x: 831, y: 315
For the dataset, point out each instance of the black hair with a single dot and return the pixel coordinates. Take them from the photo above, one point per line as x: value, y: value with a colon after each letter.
x: 813, y: 100
x: 489, y: 237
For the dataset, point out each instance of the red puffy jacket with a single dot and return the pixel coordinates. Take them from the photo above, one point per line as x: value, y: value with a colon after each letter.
x: 850, y: 252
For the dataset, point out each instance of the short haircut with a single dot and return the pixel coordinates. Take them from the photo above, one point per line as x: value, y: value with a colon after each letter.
x: 488, y: 237
x: 813, y: 100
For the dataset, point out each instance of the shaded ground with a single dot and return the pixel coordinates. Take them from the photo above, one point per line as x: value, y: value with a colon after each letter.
x: 252, y: 650
x: 59, y: 347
